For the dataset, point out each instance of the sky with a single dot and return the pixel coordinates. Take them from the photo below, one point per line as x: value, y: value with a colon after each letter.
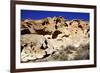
x: 36, y: 15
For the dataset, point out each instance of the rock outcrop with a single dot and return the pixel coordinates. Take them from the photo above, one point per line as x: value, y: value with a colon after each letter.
x: 52, y: 39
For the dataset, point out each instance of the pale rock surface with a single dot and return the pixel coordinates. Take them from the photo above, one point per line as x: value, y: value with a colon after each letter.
x: 54, y: 39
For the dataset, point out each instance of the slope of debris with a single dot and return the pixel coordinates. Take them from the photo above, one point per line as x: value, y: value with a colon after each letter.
x: 54, y: 39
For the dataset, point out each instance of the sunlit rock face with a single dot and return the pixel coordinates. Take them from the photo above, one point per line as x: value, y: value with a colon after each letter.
x: 54, y: 39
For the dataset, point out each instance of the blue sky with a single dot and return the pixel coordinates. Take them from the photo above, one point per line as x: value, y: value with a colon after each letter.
x: 35, y: 15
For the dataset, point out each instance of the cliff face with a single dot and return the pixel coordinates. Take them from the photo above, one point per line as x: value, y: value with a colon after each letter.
x: 54, y: 39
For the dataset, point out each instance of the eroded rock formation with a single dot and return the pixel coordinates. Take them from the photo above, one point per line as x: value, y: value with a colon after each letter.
x: 53, y: 39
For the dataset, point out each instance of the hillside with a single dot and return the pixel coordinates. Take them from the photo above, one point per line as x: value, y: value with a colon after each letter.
x: 54, y: 39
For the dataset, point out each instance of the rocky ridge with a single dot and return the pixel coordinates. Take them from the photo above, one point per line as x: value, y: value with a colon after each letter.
x: 54, y: 39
